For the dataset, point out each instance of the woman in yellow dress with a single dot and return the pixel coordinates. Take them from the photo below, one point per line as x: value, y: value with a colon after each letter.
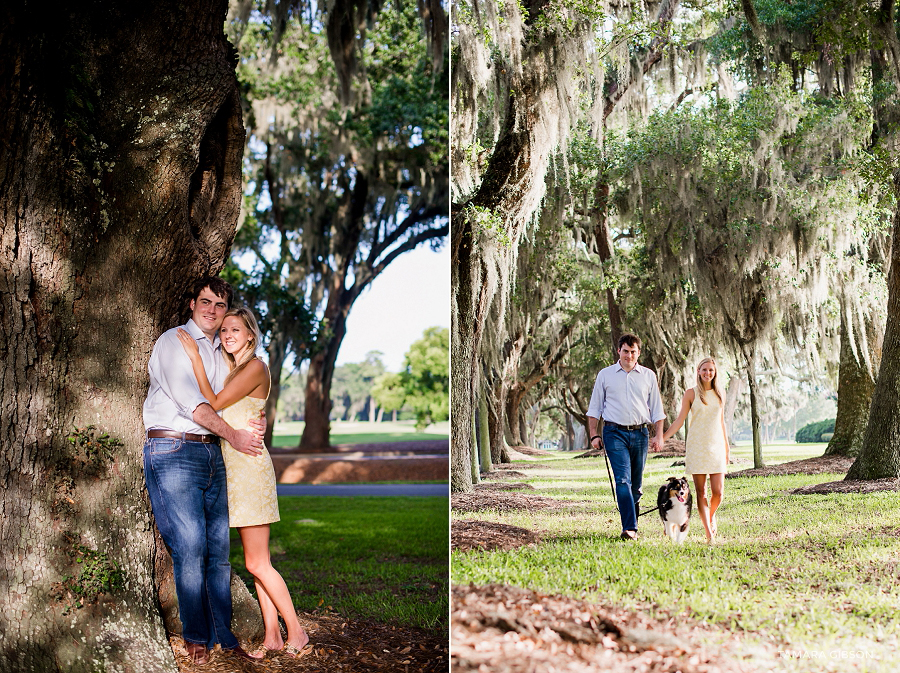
x: 252, y: 497
x: 706, y: 450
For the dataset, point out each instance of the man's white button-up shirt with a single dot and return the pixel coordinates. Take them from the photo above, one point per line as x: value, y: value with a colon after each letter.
x: 626, y: 398
x: 174, y: 391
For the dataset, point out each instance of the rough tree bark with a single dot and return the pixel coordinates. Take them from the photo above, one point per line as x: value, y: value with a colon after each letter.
x: 879, y: 456
x: 855, y: 386
x: 120, y: 158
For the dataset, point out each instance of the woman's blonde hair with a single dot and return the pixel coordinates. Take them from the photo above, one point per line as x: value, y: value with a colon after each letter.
x: 249, y: 320
x: 714, y: 383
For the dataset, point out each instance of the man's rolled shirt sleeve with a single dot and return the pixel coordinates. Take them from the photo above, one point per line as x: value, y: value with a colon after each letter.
x: 598, y: 397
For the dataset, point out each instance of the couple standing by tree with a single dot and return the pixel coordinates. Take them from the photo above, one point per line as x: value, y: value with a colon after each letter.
x: 626, y: 396
x: 205, y: 472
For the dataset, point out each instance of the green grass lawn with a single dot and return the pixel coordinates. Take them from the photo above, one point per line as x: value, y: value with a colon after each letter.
x: 813, y: 572
x: 356, y: 432
x: 381, y: 558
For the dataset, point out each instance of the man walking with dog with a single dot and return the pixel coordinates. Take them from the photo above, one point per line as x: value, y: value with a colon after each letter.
x: 626, y: 397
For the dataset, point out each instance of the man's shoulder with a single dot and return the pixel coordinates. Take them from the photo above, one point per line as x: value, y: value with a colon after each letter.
x: 610, y: 369
x: 169, y: 335
x: 645, y: 371
x: 168, y: 340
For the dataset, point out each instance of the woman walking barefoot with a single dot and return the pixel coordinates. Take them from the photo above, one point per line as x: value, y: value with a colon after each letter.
x: 252, y: 498
x: 706, y: 451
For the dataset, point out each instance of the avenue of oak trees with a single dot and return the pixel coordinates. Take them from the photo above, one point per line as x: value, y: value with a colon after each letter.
x: 120, y: 184
x: 636, y: 191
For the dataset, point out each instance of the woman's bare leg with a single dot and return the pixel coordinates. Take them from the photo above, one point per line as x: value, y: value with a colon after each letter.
x: 702, y: 507
x: 273, y: 640
x: 275, y: 591
x: 716, y: 486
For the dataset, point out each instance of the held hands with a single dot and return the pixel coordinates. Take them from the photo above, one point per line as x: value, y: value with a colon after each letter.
x: 189, y: 344
x: 657, y: 443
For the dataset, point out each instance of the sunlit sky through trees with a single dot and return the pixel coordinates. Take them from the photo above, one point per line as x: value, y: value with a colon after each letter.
x: 406, y: 298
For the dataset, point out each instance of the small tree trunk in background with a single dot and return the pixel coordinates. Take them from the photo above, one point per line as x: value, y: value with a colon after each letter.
x: 484, y: 434
x: 277, y: 351
x: 476, y: 473
x: 514, y: 397
x: 754, y: 408
x: 855, y: 387
x: 732, y: 395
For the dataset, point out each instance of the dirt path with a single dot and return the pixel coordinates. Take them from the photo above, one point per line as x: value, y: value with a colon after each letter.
x: 505, y: 629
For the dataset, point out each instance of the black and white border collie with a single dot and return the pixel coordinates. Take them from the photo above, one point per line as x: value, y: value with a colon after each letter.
x: 675, y: 503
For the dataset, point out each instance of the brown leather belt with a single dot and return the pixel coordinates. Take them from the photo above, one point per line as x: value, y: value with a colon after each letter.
x: 630, y: 428
x: 185, y: 436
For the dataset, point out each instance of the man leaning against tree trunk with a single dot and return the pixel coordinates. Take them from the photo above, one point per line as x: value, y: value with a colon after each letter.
x: 185, y: 472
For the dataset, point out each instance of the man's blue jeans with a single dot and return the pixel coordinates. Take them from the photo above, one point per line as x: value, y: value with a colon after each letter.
x: 627, y: 452
x: 186, y: 484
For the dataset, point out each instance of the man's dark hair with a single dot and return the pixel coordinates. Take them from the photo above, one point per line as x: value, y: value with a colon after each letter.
x: 219, y: 287
x: 630, y: 339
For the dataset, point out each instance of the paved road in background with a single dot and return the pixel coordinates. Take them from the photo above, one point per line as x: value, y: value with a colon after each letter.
x: 364, y: 489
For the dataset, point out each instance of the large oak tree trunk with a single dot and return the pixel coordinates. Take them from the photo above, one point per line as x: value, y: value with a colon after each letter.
x: 465, y: 278
x: 879, y: 456
x: 855, y: 386
x: 120, y: 154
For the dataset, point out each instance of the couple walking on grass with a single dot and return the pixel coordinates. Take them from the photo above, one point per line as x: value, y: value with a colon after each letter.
x: 626, y: 397
x: 205, y: 472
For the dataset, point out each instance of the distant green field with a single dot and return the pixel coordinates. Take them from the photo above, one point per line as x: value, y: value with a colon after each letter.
x: 774, y: 454
x: 356, y: 432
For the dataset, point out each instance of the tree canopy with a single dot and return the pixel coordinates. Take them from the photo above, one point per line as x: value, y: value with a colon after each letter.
x: 346, y: 168
x: 722, y: 176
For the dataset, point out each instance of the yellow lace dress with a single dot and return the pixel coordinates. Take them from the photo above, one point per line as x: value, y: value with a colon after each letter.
x: 704, y: 451
x: 252, y: 499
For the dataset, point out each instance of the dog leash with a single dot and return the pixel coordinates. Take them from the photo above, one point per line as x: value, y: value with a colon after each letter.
x: 612, y: 486
x: 609, y: 472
